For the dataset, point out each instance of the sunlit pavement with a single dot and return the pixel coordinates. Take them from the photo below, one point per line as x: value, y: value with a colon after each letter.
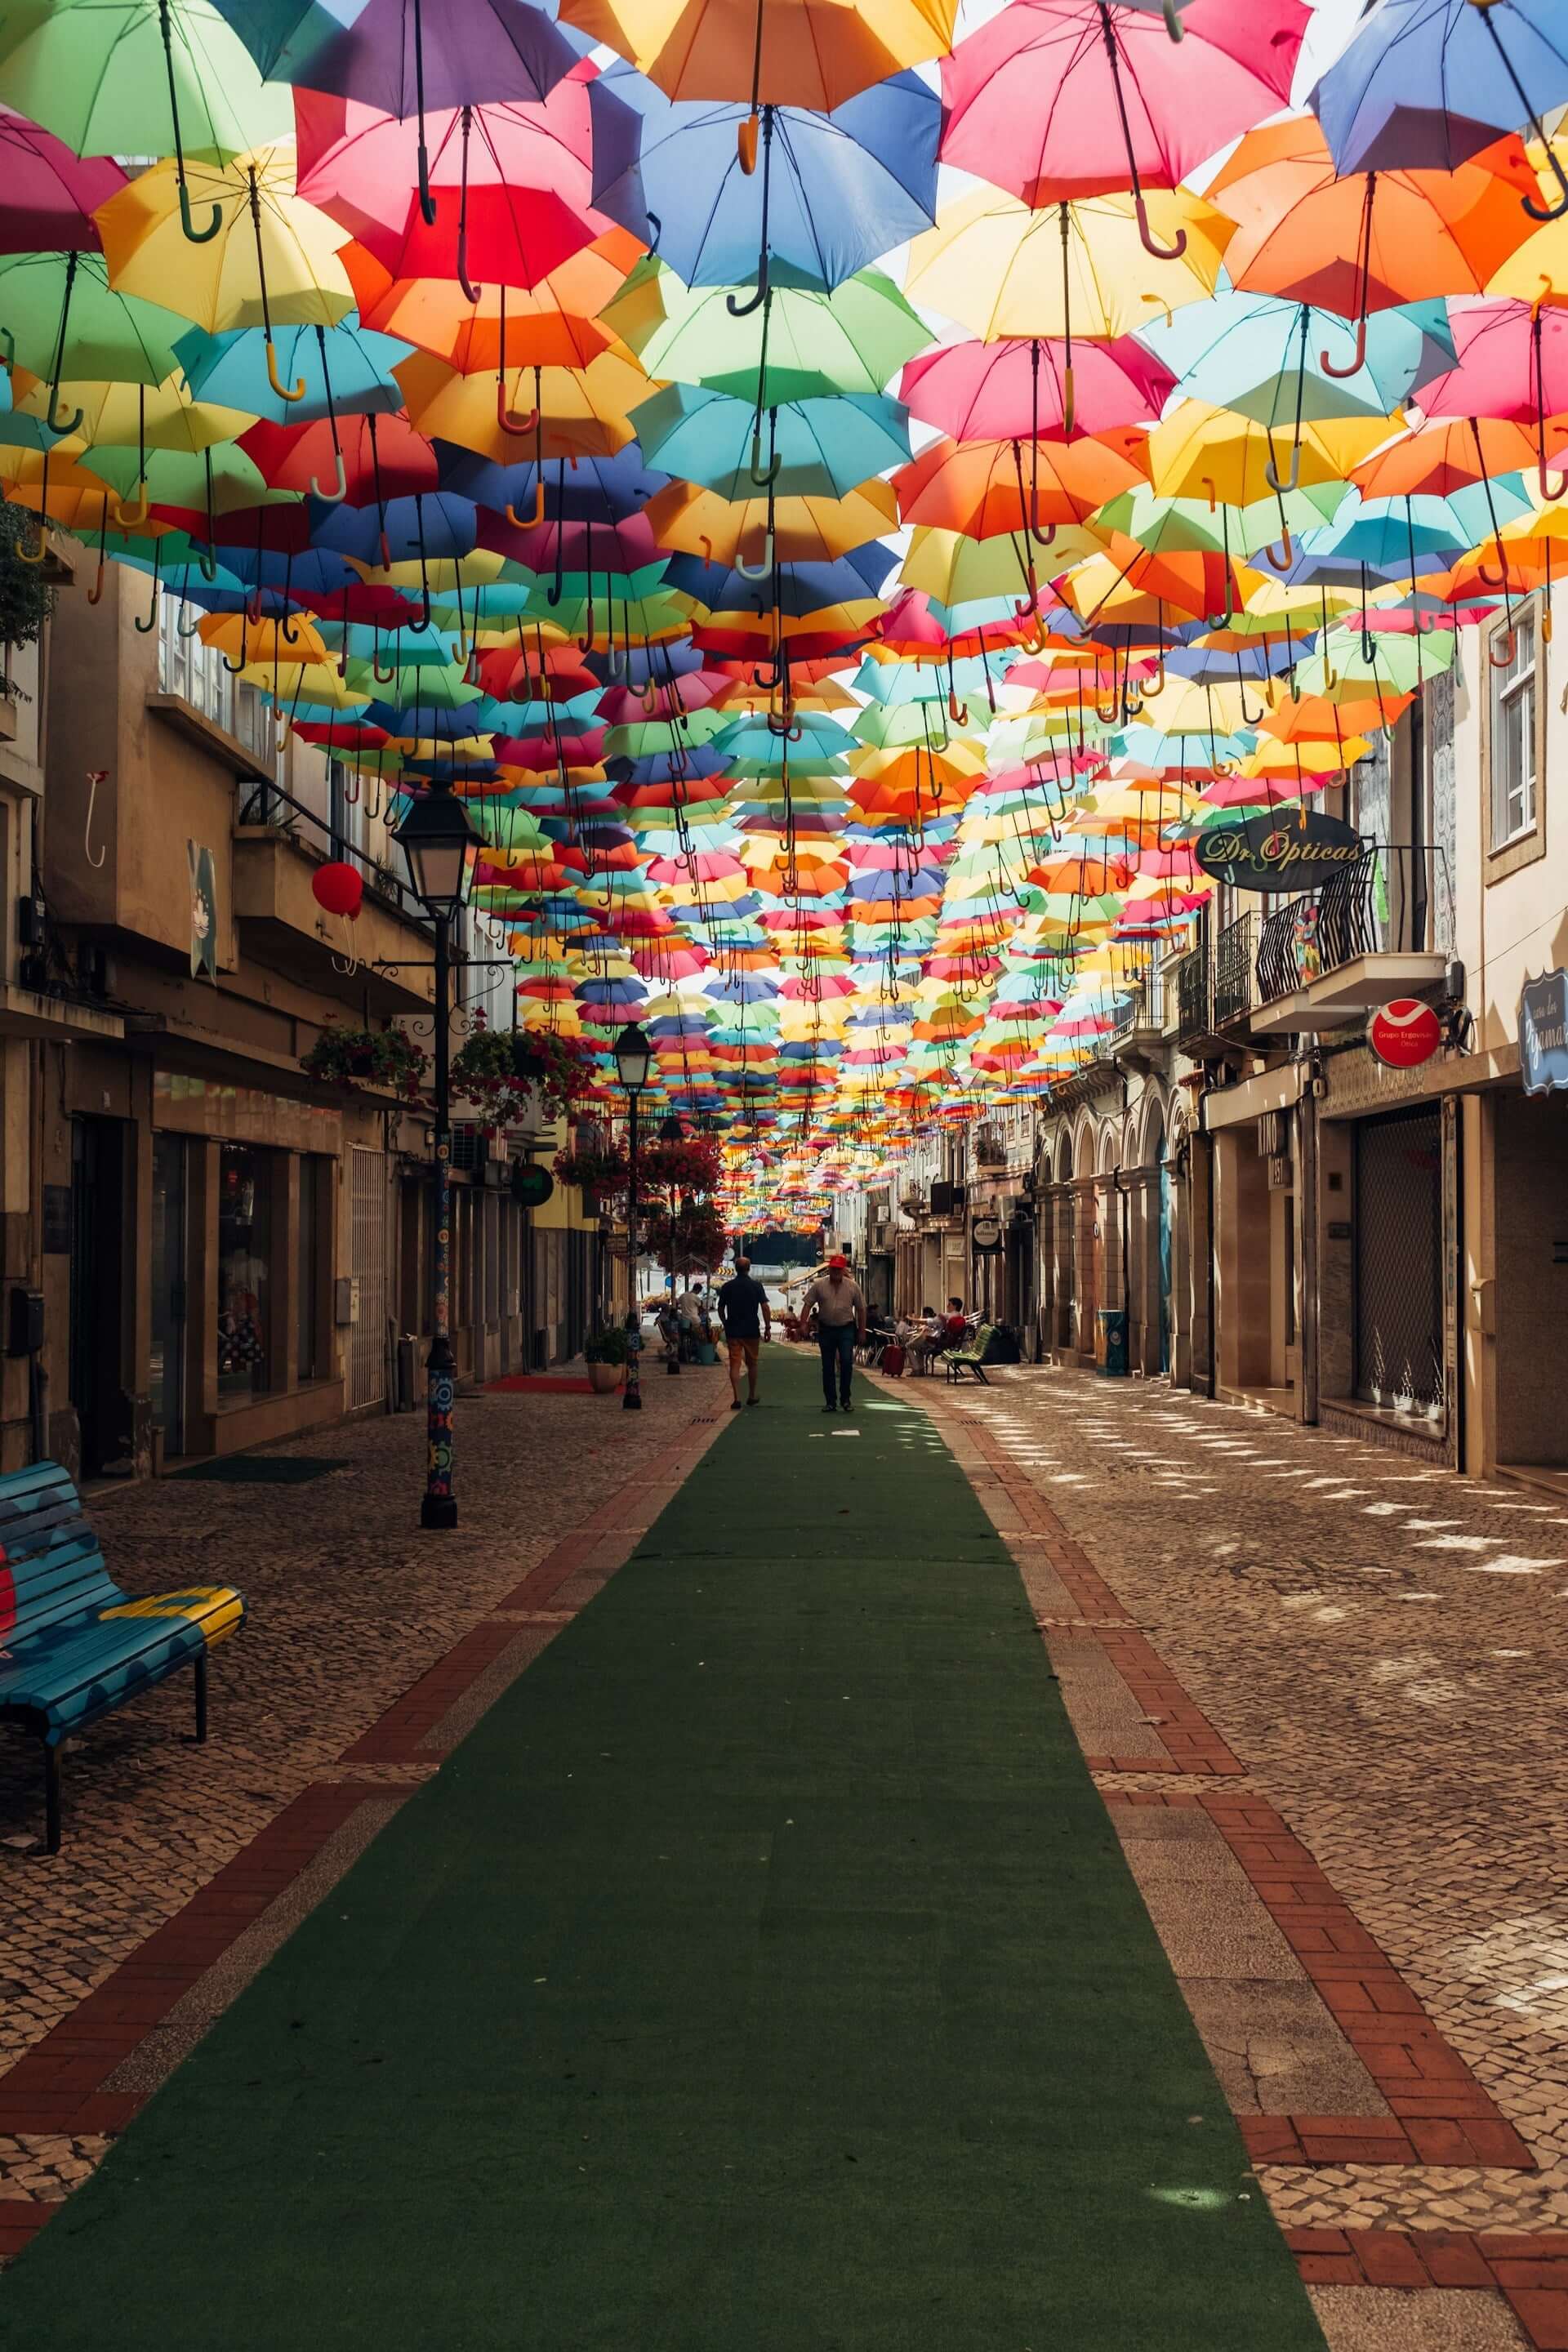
x: 1383, y: 1649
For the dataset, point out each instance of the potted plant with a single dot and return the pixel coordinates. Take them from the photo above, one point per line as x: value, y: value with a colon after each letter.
x: 485, y: 1073
x: 605, y: 1353
x: 366, y: 1057
x: 561, y: 1067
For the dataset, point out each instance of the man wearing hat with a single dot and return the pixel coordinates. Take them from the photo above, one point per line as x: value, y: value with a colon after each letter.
x: 835, y: 1308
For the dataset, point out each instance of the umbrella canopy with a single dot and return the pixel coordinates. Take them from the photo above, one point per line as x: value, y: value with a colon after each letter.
x: 1425, y: 84
x: 806, y: 53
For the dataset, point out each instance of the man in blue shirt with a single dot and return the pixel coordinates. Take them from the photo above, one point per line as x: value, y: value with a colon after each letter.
x: 745, y: 1312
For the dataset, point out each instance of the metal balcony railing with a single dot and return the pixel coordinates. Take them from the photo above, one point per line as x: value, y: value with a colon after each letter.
x: 1235, y: 957
x: 1188, y: 1014
x: 1397, y: 899
x: 269, y: 804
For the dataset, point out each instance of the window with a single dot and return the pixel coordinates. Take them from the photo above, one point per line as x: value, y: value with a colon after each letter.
x: 346, y: 806
x: 197, y: 674
x: 244, y: 1270
x: 1513, y: 733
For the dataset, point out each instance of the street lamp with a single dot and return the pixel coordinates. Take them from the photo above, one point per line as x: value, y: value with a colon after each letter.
x: 438, y: 838
x: 634, y: 1060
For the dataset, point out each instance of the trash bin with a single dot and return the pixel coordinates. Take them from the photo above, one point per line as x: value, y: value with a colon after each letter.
x: 1111, y: 1343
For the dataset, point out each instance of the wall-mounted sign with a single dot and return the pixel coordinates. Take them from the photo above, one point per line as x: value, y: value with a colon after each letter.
x: 532, y: 1185
x: 986, y: 1235
x: 1300, y: 850
x: 1403, y: 1034
x: 1543, y: 1033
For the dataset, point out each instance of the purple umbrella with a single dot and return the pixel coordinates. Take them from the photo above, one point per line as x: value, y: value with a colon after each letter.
x: 49, y: 192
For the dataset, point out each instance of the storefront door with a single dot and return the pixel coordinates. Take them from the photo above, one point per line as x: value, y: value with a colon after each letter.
x: 166, y: 1363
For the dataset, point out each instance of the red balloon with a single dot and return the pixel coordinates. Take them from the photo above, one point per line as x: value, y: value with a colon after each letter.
x: 339, y: 889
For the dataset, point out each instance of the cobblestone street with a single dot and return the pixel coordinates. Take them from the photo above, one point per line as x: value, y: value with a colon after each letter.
x: 348, y: 1605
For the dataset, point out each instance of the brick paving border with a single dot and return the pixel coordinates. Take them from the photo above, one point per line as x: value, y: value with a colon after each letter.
x: 1530, y: 2272
x: 58, y: 2088
x: 1440, y: 2114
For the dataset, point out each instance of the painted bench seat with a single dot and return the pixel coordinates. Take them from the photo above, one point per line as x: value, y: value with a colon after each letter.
x: 970, y: 1359
x: 73, y: 1646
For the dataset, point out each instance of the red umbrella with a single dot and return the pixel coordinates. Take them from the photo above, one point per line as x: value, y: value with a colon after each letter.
x: 384, y: 458
x: 49, y: 192
x: 1057, y: 99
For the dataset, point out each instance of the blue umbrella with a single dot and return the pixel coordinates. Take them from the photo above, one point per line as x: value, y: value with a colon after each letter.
x: 834, y: 191
x: 824, y: 449
x: 1426, y: 83
x: 347, y: 368
x: 1246, y: 351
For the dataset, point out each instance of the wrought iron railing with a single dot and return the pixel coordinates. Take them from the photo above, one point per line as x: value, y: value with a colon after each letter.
x: 1397, y: 899
x: 1187, y: 996
x: 269, y: 804
x: 1235, y: 956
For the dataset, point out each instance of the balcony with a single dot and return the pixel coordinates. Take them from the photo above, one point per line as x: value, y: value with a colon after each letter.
x: 1140, y: 1026
x: 1326, y: 959
x: 1188, y: 998
x: 990, y: 1148
x: 1235, y: 963
x: 279, y: 844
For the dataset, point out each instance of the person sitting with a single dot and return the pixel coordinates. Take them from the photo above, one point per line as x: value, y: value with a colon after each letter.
x: 955, y: 1324
x: 927, y: 1342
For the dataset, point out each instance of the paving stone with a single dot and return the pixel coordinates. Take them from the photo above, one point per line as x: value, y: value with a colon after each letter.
x: 1383, y: 2319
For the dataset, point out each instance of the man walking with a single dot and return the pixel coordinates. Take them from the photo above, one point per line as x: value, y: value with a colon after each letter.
x: 745, y: 1312
x: 835, y: 1308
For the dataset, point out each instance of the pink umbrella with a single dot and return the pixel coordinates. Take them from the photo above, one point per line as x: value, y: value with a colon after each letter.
x: 1016, y: 390
x: 1513, y: 365
x: 1056, y: 98
x: 49, y: 192
x: 521, y: 175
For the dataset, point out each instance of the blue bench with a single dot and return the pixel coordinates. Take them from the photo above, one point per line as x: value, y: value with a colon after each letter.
x: 72, y: 1645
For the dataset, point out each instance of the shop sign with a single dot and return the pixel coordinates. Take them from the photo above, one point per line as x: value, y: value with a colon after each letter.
x: 1543, y: 1033
x: 1300, y: 851
x: 532, y: 1185
x: 1403, y: 1034
x: 986, y: 1235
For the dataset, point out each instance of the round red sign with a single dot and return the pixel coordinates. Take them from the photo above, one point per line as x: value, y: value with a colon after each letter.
x: 1404, y: 1033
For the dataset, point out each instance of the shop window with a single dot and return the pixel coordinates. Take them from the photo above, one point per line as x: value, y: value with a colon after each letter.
x: 309, y: 1269
x: 1513, y: 731
x: 245, y: 1271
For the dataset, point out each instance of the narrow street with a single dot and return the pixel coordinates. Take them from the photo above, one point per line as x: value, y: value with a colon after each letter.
x: 1339, y: 1818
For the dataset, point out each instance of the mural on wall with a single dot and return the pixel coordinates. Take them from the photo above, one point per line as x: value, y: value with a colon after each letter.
x: 204, y: 913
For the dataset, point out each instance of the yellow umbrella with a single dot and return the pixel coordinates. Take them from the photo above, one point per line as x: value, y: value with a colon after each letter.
x: 274, y: 256
x: 1213, y: 452
x: 133, y: 415
x: 788, y: 530
x: 579, y: 412
x: 258, y: 644
x: 809, y: 53
x: 1000, y: 269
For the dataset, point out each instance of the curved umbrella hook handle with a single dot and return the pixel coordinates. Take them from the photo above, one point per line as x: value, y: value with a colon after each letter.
x: 744, y: 309
x: 1173, y: 25
x: 1149, y: 243
x: 533, y: 521
x: 1280, y: 560
x: 72, y: 424
x: 763, y: 476
x: 1504, y: 645
x: 133, y: 518
x: 1357, y: 360
x: 757, y: 571
x: 276, y: 381
x: 187, y: 218
x: 1280, y: 483
x: 339, y: 491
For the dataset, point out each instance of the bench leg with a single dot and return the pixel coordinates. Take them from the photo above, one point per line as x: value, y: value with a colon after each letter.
x: 202, y: 1695
x: 51, y: 1798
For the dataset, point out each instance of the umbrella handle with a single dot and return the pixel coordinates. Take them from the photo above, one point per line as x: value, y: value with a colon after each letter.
x: 746, y: 132
x: 180, y: 628
x: 427, y: 201
x: 1488, y: 579
x: 1150, y: 242
x: 1281, y: 561
x: 1503, y: 644
x: 8, y: 354
x: 1206, y: 482
x: 336, y: 495
x: 1550, y: 491
x: 518, y: 426
x: 382, y: 676
x: 533, y: 521
x: 133, y: 518
x: 957, y: 711
x: 416, y: 628
x: 187, y: 218
x: 1358, y: 357
x: 36, y: 555
x: 1282, y: 483
x: 72, y: 426
x: 276, y: 381
x: 763, y: 475
x: 142, y: 628
x: 744, y: 309
x: 206, y: 564
x: 1173, y: 25
x: 253, y: 606
x: 385, y: 553
x: 95, y: 594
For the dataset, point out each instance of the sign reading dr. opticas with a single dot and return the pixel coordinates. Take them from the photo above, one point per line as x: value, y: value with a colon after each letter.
x: 1297, y: 850
x: 1404, y: 1033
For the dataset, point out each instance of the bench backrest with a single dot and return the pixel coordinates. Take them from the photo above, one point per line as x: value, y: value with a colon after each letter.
x: 50, y: 1565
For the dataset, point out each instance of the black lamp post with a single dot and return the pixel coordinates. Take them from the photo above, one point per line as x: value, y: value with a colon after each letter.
x: 634, y: 1060
x: 438, y: 838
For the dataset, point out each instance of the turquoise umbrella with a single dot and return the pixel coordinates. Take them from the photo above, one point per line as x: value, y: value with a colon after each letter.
x: 825, y: 448
x: 344, y: 368
x: 1246, y: 353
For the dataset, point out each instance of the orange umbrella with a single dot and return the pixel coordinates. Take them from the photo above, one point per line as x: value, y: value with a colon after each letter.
x: 1371, y: 241
x: 985, y: 487
x: 1450, y: 453
x: 553, y: 324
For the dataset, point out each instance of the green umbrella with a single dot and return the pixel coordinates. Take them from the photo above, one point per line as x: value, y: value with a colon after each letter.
x: 67, y: 321
x: 802, y: 343
x: 1188, y: 526
x: 178, y: 478
x: 138, y: 78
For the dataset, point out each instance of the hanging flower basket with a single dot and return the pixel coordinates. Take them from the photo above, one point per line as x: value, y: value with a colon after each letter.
x: 384, y: 1059
x: 561, y: 1067
x: 485, y: 1073
x: 599, y: 1169
x: 692, y: 1165
x: 692, y: 1241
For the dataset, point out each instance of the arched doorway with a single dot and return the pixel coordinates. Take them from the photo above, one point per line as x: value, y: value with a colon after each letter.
x: 1158, y: 1253
x: 1066, y: 1205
